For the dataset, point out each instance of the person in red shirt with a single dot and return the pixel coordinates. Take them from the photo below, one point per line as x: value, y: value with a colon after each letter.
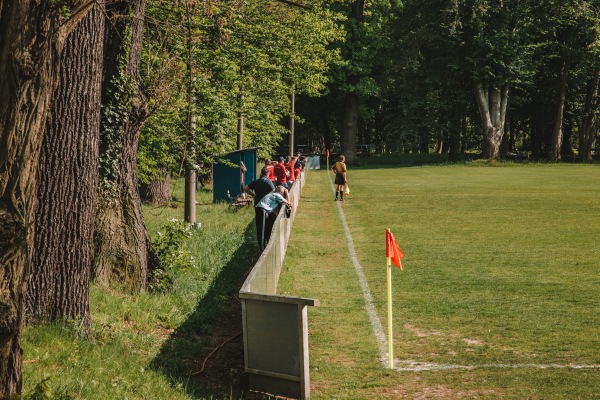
x: 269, y: 165
x: 280, y: 173
x: 289, y: 165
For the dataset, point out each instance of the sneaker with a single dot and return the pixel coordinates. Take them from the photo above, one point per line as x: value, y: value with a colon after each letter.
x: 342, y: 199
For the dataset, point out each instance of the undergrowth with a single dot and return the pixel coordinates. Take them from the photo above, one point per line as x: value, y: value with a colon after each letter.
x: 129, y: 351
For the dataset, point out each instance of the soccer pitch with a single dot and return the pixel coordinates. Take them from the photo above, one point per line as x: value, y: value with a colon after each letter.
x: 500, y: 291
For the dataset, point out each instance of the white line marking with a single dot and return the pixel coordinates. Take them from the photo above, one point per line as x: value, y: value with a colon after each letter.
x: 375, y: 321
x: 410, y: 365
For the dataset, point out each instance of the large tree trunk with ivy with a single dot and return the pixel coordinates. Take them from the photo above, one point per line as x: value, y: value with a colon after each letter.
x: 68, y: 176
x: 492, y: 102
x: 31, y: 38
x: 587, y: 135
x: 122, y: 245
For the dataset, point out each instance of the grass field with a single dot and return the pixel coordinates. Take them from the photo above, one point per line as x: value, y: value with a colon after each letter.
x: 500, y: 292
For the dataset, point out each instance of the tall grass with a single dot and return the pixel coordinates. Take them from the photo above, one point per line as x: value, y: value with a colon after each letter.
x: 146, y: 346
x: 501, y: 276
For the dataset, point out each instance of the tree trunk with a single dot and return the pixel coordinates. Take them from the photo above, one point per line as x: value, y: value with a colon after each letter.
x: 350, y: 127
x: 454, y: 146
x: 424, y: 139
x: 122, y: 244
x: 557, y: 132
x: 586, y: 133
x: 31, y: 38
x: 62, y: 252
x: 158, y: 191
x: 492, y: 103
x: 351, y: 99
x: 506, y: 138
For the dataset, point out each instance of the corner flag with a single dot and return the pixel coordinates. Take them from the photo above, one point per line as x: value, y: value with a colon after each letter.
x: 392, y: 250
x: 393, y: 255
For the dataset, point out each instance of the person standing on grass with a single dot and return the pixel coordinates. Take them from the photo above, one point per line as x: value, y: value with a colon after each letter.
x: 266, y: 214
x: 259, y: 189
x: 340, y: 177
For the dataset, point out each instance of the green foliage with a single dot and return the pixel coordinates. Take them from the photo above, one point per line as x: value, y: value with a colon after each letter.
x: 414, y: 67
x: 43, y: 391
x: 243, y: 57
x: 63, y: 5
x: 171, y: 255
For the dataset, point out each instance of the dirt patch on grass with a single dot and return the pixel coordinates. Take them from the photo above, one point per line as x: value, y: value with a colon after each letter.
x: 220, y: 369
x: 441, y: 392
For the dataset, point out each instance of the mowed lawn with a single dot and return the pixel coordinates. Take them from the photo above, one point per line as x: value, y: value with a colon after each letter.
x: 500, y: 293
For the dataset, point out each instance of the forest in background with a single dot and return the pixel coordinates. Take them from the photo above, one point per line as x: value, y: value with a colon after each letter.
x: 99, y: 97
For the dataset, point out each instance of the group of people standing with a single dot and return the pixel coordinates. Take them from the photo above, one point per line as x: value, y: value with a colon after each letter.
x: 270, y: 191
x: 285, y: 171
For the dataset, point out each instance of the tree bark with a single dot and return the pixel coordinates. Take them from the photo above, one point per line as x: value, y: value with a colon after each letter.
x: 31, y: 38
x: 557, y: 131
x: 122, y: 244
x: 62, y: 252
x: 350, y: 127
x: 586, y: 133
x: 492, y: 103
x: 158, y: 191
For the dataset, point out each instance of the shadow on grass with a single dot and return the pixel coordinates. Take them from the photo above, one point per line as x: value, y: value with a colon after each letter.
x: 216, y: 320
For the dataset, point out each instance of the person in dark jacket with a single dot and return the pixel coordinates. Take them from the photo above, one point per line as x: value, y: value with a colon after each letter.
x: 259, y: 189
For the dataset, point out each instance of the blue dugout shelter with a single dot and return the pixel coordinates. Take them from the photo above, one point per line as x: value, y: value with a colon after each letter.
x: 229, y: 176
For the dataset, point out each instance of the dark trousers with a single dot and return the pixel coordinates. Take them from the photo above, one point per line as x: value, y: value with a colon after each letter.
x: 264, y: 225
x: 261, y: 216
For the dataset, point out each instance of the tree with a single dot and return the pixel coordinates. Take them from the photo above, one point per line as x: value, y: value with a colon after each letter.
x: 31, y: 38
x: 60, y: 270
x: 122, y: 243
x: 247, y: 57
x: 499, y: 49
x: 587, y: 134
x: 425, y: 82
x: 565, y: 19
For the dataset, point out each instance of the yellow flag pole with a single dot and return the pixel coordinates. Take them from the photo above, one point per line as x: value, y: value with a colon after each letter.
x: 390, y: 335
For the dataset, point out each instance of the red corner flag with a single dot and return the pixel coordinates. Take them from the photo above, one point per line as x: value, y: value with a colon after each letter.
x: 392, y: 250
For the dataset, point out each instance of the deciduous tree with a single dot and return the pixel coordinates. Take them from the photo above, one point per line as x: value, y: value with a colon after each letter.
x: 32, y: 35
x: 122, y: 244
x: 68, y: 175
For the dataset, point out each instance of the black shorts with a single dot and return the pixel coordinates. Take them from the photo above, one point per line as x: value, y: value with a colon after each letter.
x: 339, y: 179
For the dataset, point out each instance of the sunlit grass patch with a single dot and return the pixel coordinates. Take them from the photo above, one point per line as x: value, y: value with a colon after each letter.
x: 501, y: 270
